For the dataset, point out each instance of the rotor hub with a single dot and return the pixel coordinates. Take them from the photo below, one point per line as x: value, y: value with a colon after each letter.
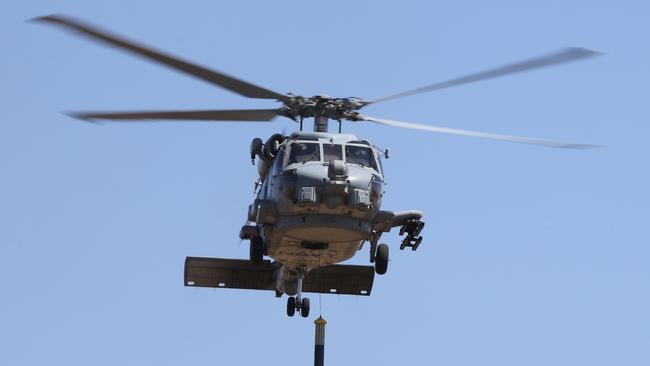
x: 338, y: 109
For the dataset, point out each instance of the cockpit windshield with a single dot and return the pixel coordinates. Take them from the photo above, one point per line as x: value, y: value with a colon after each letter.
x: 360, y: 155
x: 332, y: 152
x: 302, y: 152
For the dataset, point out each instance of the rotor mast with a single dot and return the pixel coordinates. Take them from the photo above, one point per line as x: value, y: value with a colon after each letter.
x: 320, y: 123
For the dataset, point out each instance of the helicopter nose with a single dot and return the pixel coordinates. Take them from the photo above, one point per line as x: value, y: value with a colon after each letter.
x: 336, y: 185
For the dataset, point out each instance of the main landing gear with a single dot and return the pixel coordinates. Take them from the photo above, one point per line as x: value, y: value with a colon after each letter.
x: 298, y: 303
x: 381, y: 259
x: 379, y: 253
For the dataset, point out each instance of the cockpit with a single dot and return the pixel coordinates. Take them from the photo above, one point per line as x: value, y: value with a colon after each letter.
x: 360, y: 155
x: 302, y: 152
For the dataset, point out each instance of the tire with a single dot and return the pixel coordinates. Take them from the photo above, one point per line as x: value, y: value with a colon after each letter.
x: 291, y: 306
x: 257, y: 250
x: 304, y: 308
x: 381, y: 259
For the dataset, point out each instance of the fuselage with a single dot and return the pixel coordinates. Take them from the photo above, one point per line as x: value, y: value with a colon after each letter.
x: 319, y: 196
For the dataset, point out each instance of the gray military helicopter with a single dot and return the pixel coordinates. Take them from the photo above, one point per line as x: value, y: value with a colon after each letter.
x: 318, y: 194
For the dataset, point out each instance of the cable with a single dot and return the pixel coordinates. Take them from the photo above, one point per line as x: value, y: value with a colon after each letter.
x: 320, y: 289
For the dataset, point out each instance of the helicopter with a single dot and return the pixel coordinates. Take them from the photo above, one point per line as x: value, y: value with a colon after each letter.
x: 318, y: 194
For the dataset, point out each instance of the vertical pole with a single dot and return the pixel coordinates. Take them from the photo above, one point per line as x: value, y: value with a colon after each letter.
x: 319, y: 349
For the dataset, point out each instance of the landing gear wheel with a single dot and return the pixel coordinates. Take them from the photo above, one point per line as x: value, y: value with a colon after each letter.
x: 291, y: 306
x: 381, y: 259
x: 304, y: 308
x: 257, y: 250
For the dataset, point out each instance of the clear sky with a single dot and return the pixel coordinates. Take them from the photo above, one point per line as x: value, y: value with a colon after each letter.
x: 532, y: 256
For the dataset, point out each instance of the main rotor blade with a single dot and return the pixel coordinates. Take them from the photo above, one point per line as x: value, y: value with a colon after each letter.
x: 556, y: 58
x: 220, y: 79
x: 485, y: 135
x: 261, y: 115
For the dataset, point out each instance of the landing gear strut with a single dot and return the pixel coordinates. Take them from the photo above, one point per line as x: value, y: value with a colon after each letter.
x: 298, y: 303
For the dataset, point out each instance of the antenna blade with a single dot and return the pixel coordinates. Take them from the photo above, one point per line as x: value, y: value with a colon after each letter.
x: 214, y: 77
x: 560, y: 57
x: 250, y: 115
x: 485, y: 135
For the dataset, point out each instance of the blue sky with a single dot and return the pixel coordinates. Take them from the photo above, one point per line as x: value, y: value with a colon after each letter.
x: 532, y: 256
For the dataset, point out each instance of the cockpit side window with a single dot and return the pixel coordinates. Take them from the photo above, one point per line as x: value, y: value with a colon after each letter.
x: 332, y: 152
x: 360, y: 155
x: 381, y: 165
x: 302, y: 152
